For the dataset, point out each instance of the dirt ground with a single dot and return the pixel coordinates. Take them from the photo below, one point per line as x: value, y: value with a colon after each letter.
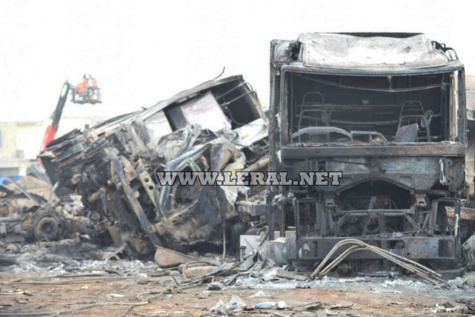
x: 114, y: 294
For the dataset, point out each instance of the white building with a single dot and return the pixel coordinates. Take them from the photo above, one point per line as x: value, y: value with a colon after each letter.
x: 20, y: 141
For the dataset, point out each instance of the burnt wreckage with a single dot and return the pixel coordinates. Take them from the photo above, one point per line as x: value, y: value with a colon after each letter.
x: 216, y: 126
x: 30, y: 211
x: 388, y: 110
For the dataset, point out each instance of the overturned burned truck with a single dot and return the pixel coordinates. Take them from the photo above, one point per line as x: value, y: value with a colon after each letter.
x: 216, y: 126
x: 387, y: 110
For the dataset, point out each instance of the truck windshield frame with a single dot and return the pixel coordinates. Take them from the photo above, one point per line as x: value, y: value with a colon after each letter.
x: 362, y: 107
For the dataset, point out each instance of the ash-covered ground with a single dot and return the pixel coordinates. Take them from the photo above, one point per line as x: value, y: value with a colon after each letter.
x: 77, y: 278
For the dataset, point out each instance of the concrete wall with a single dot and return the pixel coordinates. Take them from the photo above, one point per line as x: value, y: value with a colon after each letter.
x: 8, y: 136
x: 20, y: 141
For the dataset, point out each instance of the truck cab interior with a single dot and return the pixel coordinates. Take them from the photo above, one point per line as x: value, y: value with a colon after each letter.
x: 372, y: 109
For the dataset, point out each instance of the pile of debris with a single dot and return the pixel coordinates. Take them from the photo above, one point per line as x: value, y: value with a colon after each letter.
x: 216, y: 126
x: 30, y: 210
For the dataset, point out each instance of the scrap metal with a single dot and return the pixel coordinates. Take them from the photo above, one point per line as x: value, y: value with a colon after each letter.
x: 216, y: 126
x: 30, y: 211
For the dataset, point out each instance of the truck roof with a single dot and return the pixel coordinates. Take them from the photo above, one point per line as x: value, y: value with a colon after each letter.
x: 372, y: 51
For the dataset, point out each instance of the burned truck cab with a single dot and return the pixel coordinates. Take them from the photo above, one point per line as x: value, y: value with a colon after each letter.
x: 388, y: 111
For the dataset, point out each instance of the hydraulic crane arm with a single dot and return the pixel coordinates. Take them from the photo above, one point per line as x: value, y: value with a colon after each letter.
x: 52, y: 128
x: 86, y: 92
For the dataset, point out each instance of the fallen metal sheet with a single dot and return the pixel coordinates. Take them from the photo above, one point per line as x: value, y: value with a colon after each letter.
x: 169, y: 258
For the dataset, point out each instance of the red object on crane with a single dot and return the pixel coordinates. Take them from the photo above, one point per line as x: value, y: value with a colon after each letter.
x: 85, y: 92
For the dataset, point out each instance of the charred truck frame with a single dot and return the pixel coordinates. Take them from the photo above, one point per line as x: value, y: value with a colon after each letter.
x: 388, y: 110
x: 215, y: 126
